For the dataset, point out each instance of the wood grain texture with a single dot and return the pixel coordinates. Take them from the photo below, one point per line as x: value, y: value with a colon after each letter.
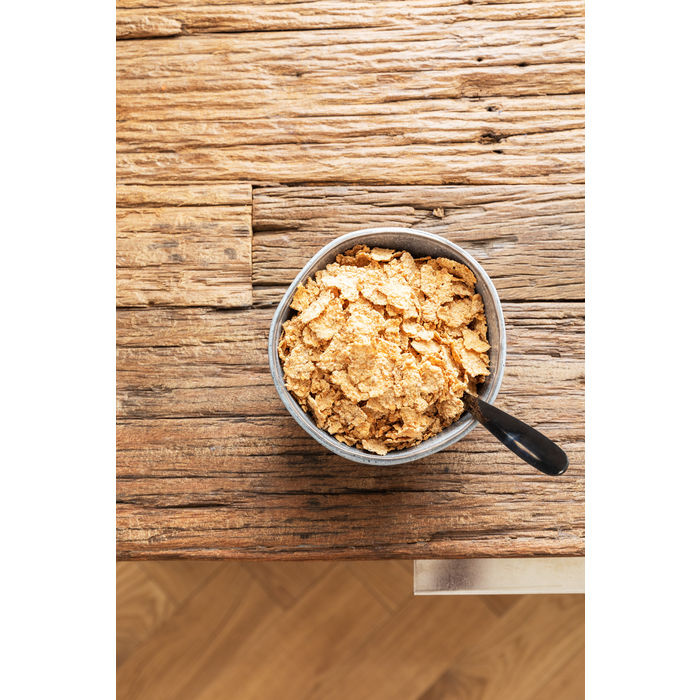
x: 182, y: 256
x: 424, y: 102
x: 140, y: 25
x: 391, y: 581
x: 172, y: 370
x: 142, y: 606
x: 529, y: 239
x: 249, y: 134
x: 181, y: 579
x: 395, y: 663
x: 174, y: 195
x: 485, y: 122
x: 142, y: 18
x: 331, y: 640
x: 211, y: 465
x: 286, y: 582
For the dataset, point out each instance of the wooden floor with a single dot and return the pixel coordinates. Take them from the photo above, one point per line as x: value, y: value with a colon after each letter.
x: 288, y: 630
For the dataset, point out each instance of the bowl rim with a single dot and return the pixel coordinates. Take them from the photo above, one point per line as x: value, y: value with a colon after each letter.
x: 452, y: 433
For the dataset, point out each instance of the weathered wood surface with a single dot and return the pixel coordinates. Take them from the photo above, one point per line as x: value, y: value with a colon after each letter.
x: 416, y: 103
x: 464, y: 119
x: 176, y: 195
x: 184, y: 255
x: 481, y: 122
x: 210, y: 464
x: 529, y: 239
x: 143, y: 18
x: 208, y: 362
x: 141, y: 26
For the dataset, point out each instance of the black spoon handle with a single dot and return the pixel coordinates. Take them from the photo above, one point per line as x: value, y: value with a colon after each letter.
x: 529, y: 444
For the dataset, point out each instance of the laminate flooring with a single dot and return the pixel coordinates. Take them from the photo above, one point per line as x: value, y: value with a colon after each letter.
x: 324, y: 630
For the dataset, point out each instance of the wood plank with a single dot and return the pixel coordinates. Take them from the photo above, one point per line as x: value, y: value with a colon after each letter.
x: 141, y: 26
x: 199, y: 363
x: 466, y: 44
x: 171, y: 664
x: 543, y: 159
x: 268, y: 296
x: 142, y: 18
x: 417, y: 103
x: 461, y: 505
x: 529, y: 238
x: 184, y: 256
x: 240, y: 479
x: 181, y: 327
x: 284, y: 660
x: 180, y: 579
x: 442, y: 120
x: 495, y: 125
x: 173, y: 195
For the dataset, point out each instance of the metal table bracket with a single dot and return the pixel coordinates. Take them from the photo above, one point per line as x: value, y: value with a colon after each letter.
x: 498, y: 576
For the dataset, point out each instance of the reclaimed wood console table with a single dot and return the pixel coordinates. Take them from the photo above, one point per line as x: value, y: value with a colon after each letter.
x: 248, y: 135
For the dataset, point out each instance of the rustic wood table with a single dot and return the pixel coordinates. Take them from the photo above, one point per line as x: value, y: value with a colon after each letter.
x: 251, y: 133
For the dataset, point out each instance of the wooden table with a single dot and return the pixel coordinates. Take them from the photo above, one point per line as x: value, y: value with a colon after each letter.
x: 248, y: 135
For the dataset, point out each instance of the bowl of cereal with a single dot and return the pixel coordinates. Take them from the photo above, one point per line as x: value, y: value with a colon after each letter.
x: 376, y: 340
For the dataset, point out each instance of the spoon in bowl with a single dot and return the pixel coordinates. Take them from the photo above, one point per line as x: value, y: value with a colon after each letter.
x: 526, y: 442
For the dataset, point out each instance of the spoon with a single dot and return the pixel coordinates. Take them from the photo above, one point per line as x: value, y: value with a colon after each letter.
x: 526, y: 442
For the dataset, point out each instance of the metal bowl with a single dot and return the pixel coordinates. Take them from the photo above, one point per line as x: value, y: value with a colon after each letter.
x: 419, y: 244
